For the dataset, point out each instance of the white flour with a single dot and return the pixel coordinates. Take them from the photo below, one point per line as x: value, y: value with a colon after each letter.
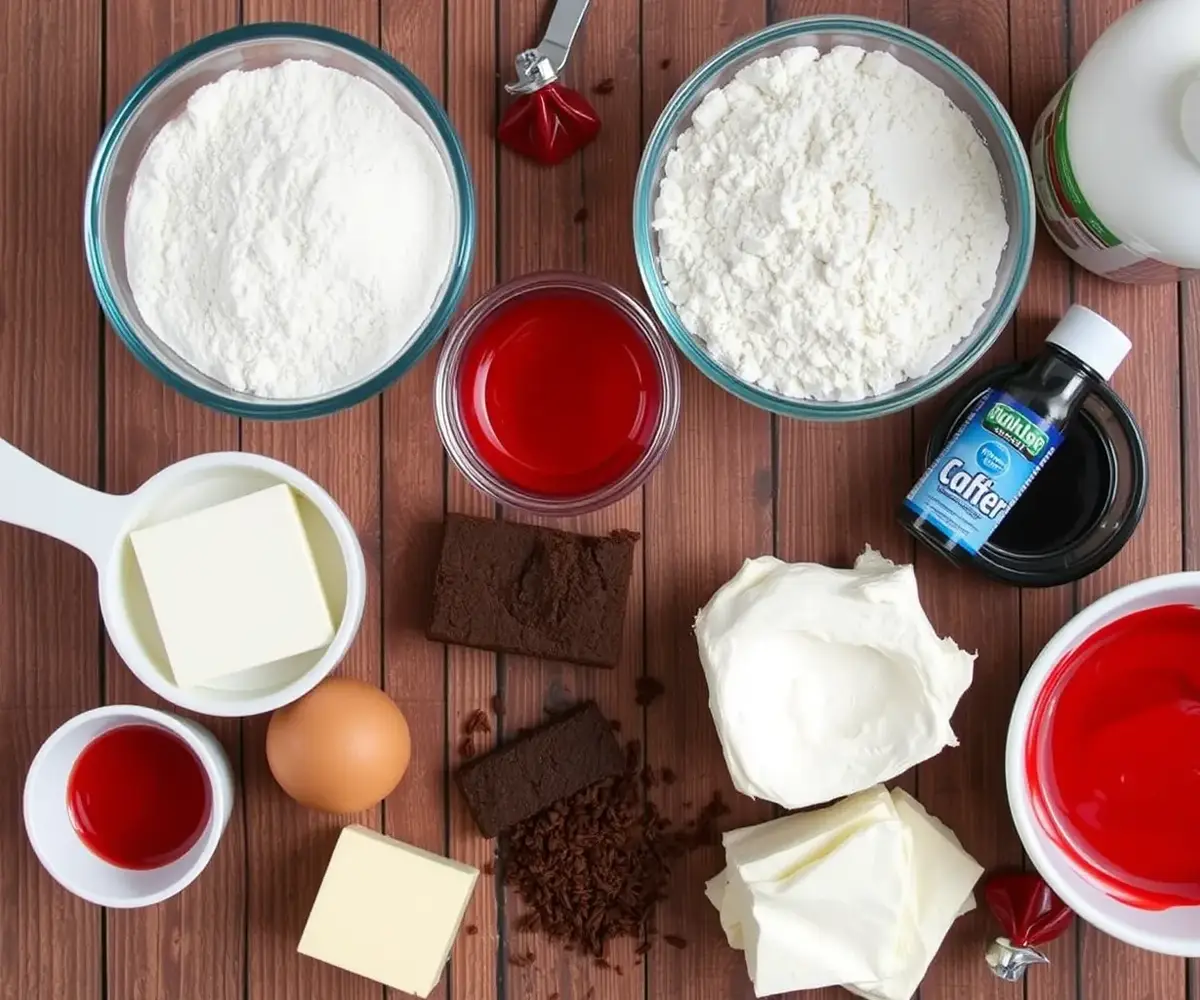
x: 289, y: 231
x: 829, y: 227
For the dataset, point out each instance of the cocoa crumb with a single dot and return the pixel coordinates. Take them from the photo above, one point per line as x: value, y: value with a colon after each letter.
x: 642, y: 948
x: 649, y: 779
x: 605, y: 86
x: 581, y: 216
x: 497, y: 706
x: 477, y: 722
x: 488, y: 868
x: 472, y: 930
x: 615, y: 724
x: 665, y: 64
x: 591, y: 992
x: 466, y: 748
x: 553, y: 996
x: 618, y: 970
x: 667, y: 776
x: 522, y: 961
x: 601, y: 963
x: 649, y: 689
x: 675, y: 941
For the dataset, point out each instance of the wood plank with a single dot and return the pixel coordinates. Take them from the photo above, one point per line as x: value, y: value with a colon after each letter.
x: 965, y: 786
x: 413, y: 502
x: 709, y: 506
x: 287, y: 846
x: 1149, y: 382
x: 472, y: 674
x: 194, y: 942
x: 571, y: 217
x: 1039, y: 66
x: 50, y: 107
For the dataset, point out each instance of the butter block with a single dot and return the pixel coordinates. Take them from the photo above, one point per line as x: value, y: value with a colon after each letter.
x: 234, y: 586
x: 387, y: 911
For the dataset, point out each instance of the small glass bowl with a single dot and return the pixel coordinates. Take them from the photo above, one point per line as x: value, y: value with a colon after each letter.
x: 160, y: 97
x: 962, y: 85
x: 447, y: 401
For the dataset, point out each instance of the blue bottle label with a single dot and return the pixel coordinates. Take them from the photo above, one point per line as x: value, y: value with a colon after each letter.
x: 983, y: 470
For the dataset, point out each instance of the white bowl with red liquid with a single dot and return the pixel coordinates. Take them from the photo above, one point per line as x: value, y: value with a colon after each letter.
x: 1131, y: 907
x: 54, y: 822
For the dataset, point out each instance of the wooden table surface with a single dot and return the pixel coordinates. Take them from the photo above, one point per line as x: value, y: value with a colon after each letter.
x: 736, y: 483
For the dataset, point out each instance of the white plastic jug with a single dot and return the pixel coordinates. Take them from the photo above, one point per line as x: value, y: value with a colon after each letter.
x: 1116, y: 154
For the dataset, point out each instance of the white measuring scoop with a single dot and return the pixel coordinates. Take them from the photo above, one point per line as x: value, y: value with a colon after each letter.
x: 99, y: 524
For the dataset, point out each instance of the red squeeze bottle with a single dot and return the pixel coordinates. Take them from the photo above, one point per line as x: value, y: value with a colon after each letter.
x: 548, y: 122
x: 1030, y: 914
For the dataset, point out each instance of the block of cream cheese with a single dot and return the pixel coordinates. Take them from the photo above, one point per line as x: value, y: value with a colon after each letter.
x: 233, y: 586
x: 823, y: 682
x: 388, y: 911
x: 816, y: 898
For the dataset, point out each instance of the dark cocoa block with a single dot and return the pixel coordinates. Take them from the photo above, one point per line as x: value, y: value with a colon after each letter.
x: 520, y: 588
x: 520, y: 779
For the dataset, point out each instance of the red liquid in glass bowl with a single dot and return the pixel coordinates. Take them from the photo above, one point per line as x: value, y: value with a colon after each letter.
x: 1113, y: 757
x: 557, y: 394
x: 138, y: 797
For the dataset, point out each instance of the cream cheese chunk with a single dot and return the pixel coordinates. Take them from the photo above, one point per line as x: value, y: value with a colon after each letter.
x: 233, y: 586
x: 823, y: 682
x: 388, y: 911
x: 860, y: 894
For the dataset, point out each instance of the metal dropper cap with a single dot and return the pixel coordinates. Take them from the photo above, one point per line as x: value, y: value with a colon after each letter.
x: 1092, y: 339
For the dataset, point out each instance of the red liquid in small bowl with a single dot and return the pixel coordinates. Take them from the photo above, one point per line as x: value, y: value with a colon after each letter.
x: 560, y: 393
x: 1113, y: 758
x: 138, y: 797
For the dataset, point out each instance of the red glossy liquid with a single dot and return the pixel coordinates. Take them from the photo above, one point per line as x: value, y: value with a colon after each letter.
x: 560, y: 393
x: 1114, y: 757
x: 138, y: 797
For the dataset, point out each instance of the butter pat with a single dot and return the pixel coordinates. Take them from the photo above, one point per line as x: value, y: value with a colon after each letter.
x: 860, y: 894
x: 233, y: 586
x: 823, y: 682
x: 388, y: 911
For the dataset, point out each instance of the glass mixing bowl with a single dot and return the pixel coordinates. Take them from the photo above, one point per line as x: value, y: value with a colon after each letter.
x: 962, y: 85
x: 158, y: 99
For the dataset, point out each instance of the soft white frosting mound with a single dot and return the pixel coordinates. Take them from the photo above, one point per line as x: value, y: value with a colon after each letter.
x: 823, y: 682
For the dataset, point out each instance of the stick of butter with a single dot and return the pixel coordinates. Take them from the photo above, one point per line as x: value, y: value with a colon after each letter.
x: 234, y: 586
x: 388, y: 911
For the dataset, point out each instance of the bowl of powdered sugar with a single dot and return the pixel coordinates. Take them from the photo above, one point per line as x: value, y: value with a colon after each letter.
x: 279, y: 221
x: 834, y: 218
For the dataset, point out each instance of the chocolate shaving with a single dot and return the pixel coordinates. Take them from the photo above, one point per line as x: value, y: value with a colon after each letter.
x: 675, y: 941
x: 466, y: 747
x: 649, y: 689
x: 477, y: 722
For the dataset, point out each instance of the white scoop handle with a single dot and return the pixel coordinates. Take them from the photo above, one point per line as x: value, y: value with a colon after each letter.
x: 33, y: 496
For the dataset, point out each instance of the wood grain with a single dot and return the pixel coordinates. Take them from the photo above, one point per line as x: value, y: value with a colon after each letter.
x: 708, y: 507
x: 50, y: 107
x: 149, y: 426
x: 477, y: 967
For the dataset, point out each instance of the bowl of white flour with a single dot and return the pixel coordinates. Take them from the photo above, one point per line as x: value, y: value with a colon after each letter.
x: 834, y: 218
x: 279, y: 221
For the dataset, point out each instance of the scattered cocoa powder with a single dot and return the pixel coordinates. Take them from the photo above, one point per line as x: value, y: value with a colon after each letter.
x: 592, y: 866
x: 605, y: 86
x: 675, y: 941
x: 466, y: 748
x: 649, y: 689
x: 581, y: 216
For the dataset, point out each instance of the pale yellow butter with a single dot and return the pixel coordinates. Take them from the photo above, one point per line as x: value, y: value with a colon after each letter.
x: 388, y: 911
x: 233, y: 586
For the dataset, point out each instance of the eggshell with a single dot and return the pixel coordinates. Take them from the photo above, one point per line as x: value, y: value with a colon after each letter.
x: 341, y: 748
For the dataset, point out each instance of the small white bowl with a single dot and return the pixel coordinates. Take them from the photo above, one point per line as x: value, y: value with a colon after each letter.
x: 1175, y: 931
x: 56, y: 842
x: 99, y: 524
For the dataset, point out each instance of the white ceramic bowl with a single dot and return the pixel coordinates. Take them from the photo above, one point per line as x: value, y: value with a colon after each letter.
x: 99, y: 524
x: 1170, y: 932
x: 53, y: 835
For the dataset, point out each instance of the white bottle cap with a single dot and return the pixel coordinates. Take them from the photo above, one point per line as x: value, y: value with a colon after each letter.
x: 1092, y: 339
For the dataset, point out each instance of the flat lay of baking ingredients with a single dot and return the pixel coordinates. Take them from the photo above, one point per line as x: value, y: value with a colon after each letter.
x: 616, y: 500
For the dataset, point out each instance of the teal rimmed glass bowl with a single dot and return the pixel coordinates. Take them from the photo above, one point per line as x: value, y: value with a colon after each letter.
x: 963, y: 86
x: 159, y: 98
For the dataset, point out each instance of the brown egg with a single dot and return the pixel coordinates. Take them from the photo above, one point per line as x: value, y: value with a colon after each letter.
x: 341, y: 748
